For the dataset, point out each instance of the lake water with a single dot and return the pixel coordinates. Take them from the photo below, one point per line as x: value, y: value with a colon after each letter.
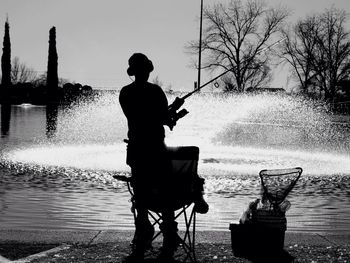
x: 56, y: 165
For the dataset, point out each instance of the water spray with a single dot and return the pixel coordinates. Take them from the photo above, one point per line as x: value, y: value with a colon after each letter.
x: 178, y: 102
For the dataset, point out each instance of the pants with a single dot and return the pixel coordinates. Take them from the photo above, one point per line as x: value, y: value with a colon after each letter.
x: 150, y: 166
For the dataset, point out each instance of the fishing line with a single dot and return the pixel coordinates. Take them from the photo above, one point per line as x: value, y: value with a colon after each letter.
x: 225, y: 72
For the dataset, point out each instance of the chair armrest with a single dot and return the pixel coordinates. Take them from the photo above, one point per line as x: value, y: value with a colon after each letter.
x: 123, y: 178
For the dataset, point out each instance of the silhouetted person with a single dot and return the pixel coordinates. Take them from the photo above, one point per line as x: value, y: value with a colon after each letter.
x: 5, y: 119
x: 146, y: 108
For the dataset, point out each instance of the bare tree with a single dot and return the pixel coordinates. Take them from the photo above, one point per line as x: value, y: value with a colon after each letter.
x: 21, y: 73
x: 41, y: 80
x: 318, y: 50
x: 297, y: 48
x: 331, y: 62
x: 233, y: 38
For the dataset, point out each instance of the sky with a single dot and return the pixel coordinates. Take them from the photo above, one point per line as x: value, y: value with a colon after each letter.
x: 95, y: 38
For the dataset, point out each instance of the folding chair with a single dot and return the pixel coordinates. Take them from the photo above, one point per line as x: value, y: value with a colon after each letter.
x: 183, y: 178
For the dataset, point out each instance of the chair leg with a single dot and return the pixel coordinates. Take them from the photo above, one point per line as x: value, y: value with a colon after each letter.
x: 156, y: 221
x: 188, y: 239
x: 189, y: 247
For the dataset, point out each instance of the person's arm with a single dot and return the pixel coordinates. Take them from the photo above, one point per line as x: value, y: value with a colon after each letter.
x: 124, y: 103
x: 167, y: 117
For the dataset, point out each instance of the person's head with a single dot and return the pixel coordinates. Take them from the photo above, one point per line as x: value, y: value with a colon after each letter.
x: 140, y: 66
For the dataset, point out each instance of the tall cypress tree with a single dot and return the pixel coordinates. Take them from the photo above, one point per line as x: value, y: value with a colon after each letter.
x: 52, y: 64
x: 6, y: 58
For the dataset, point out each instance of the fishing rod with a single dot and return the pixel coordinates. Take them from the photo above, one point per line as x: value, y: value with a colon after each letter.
x: 225, y: 72
x: 178, y: 102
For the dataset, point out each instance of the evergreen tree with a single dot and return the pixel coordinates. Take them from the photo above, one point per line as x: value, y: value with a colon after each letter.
x: 52, y: 65
x: 6, y: 58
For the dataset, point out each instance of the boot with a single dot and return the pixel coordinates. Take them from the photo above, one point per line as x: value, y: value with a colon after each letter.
x: 200, y: 205
x: 143, y: 236
x: 171, y: 241
x: 134, y: 257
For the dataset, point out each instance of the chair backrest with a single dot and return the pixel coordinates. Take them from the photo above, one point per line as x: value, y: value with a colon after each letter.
x: 277, y: 183
x: 179, y: 185
x: 184, y: 161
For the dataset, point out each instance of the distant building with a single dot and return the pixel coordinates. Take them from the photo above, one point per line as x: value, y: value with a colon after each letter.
x: 265, y: 90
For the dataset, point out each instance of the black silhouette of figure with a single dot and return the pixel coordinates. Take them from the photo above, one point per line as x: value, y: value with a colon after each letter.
x: 146, y: 108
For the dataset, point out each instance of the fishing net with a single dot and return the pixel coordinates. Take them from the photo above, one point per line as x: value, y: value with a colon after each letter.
x: 277, y: 184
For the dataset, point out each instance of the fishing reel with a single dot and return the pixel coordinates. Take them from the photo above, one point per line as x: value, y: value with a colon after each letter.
x: 178, y: 115
x: 178, y: 102
x: 174, y: 114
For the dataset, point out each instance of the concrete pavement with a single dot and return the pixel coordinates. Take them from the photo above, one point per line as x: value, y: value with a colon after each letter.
x: 103, y: 236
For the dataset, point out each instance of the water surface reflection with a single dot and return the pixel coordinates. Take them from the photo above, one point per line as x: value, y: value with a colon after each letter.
x: 57, y: 163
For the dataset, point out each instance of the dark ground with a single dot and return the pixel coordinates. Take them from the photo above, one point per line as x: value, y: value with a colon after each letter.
x: 16, y: 250
x: 205, y: 252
